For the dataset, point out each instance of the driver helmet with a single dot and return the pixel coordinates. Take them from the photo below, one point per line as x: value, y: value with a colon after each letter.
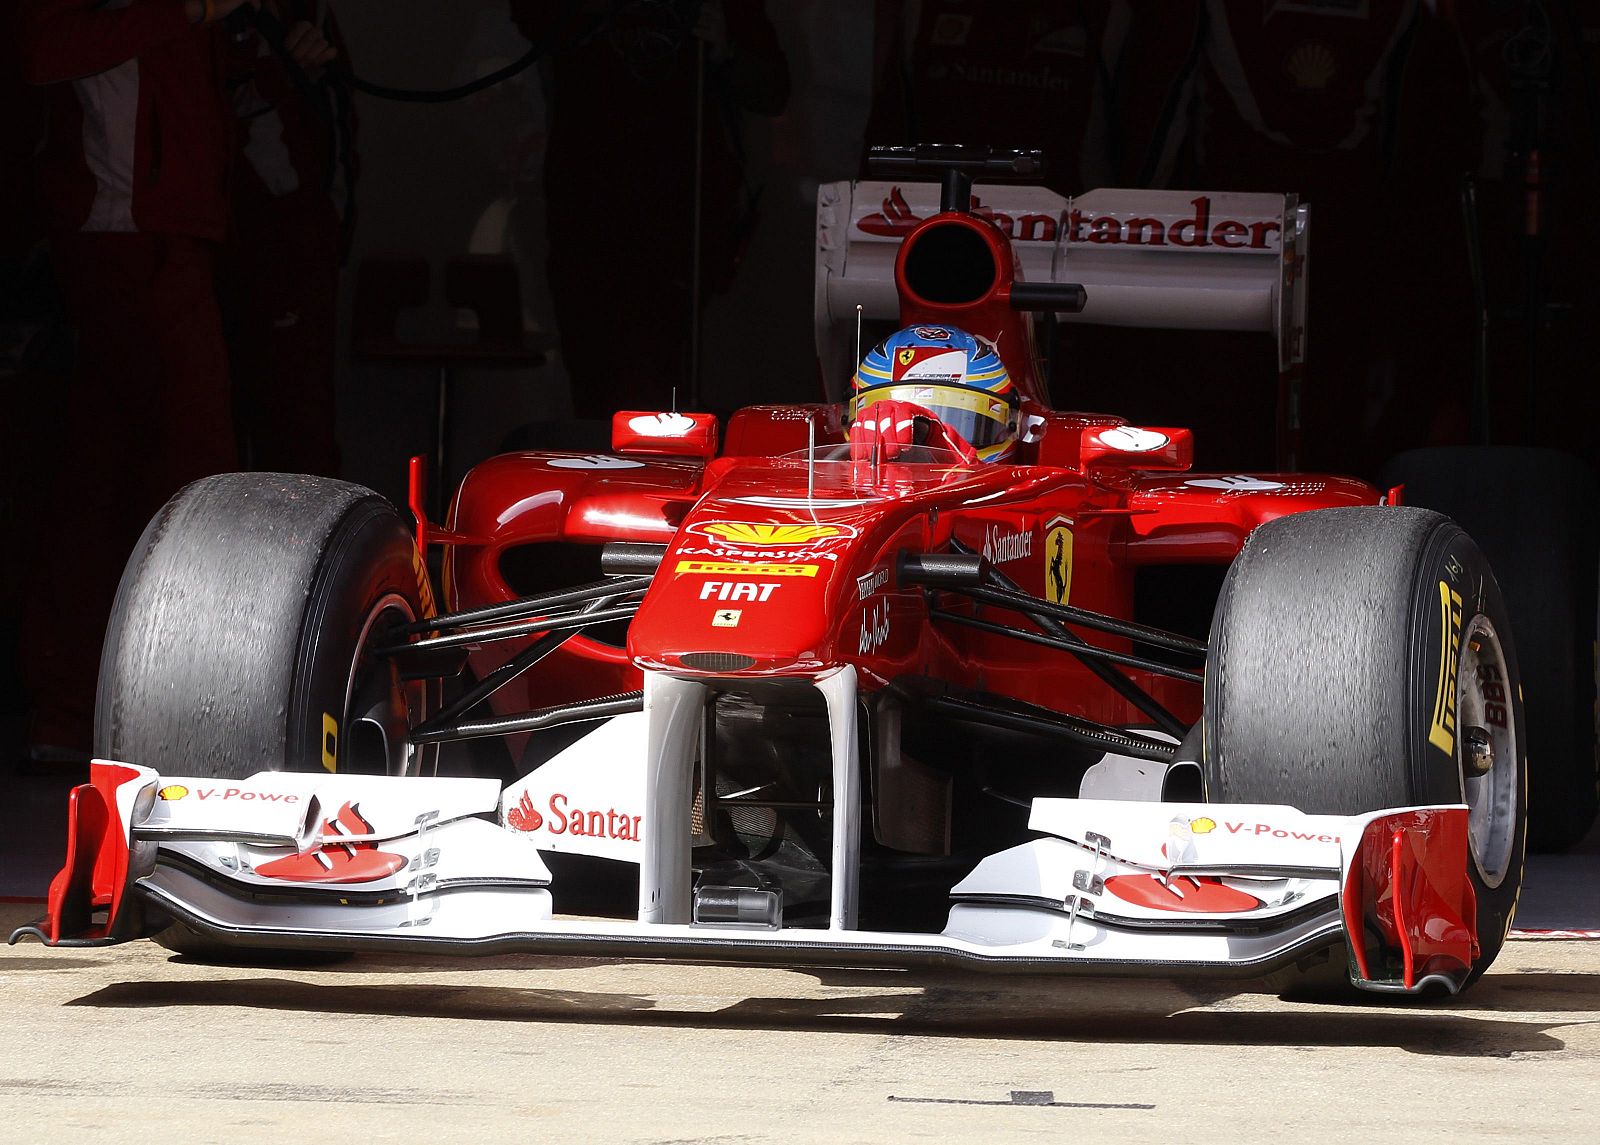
x: 952, y: 375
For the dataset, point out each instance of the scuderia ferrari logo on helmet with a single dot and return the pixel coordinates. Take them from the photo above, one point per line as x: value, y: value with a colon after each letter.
x: 747, y: 533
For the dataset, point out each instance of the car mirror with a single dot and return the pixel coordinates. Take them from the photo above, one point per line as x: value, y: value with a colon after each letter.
x: 664, y: 434
x: 1136, y: 447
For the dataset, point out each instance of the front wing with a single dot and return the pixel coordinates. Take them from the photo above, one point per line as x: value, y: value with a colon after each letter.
x: 1109, y: 887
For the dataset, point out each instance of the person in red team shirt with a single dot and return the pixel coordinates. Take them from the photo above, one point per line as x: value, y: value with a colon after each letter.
x: 280, y: 266
x: 134, y: 181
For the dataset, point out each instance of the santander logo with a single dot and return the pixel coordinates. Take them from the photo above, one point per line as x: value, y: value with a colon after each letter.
x: 524, y: 816
x: 897, y: 218
x: 564, y: 819
x: 1195, y: 230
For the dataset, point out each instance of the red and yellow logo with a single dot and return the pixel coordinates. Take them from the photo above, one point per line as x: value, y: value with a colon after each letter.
x: 173, y: 791
x: 746, y: 533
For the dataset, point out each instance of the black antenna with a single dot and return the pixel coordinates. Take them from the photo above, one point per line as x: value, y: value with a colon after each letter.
x: 955, y: 191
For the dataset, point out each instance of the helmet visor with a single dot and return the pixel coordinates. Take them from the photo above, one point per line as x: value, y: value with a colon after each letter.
x: 981, y: 419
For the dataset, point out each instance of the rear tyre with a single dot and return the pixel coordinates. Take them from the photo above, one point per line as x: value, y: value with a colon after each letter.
x: 1536, y: 515
x: 1355, y: 655
x: 243, y: 634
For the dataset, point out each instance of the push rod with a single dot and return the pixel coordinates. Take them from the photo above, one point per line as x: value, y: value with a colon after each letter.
x: 1082, y: 617
x: 506, y: 631
x: 507, y: 672
x: 1079, y: 650
x: 528, y: 605
x: 1112, y: 678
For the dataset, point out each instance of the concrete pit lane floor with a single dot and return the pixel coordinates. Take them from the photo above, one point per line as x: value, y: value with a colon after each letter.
x: 135, y: 1044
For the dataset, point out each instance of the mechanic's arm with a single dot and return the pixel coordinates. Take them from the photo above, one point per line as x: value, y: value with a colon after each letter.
x: 61, y: 40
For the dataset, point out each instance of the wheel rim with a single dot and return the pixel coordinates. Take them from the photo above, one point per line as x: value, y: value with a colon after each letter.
x: 1486, y: 716
x: 379, y: 707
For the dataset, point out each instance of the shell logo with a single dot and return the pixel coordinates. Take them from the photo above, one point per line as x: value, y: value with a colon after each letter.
x: 1202, y: 826
x: 745, y: 533
x: 173, y: 791
x: 1312, y: 66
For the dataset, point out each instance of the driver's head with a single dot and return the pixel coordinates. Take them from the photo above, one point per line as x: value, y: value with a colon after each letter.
x: 953, y: 376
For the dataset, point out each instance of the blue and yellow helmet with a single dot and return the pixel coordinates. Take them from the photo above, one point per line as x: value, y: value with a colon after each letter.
x: 950, y: 374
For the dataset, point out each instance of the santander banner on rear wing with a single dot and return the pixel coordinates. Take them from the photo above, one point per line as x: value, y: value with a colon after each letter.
x: 1188, y: 260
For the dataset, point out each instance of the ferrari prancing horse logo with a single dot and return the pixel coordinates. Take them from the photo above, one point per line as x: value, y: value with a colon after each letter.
x: 1058, y: 561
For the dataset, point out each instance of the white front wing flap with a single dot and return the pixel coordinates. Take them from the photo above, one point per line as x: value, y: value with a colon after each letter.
x: 351, y: 862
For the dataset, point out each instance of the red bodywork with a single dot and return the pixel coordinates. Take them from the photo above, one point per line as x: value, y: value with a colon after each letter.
x: 810, y: 581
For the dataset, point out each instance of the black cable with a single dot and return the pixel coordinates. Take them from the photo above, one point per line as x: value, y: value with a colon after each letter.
x: 442, y: 95
x: 536, y: 51
x: 272, y: 31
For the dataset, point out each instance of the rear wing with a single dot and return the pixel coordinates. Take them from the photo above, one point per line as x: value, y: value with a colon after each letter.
x: 1186, y: 260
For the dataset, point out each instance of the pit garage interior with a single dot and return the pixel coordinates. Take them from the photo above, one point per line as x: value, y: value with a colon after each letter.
x: 644, y: 195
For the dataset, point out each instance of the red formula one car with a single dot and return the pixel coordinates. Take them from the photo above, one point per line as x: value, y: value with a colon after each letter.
x: 787, y: 698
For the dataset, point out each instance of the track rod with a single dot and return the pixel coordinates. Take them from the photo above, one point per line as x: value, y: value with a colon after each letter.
x: 1079, y: 650
x: 1081, y: 732
x: 597, y: 709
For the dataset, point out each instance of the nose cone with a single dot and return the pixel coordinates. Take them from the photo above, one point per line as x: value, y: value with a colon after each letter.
x: 738, y: 594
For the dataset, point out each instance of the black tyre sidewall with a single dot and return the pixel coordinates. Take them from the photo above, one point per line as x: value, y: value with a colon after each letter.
x: 368, y: 558
x: 1452, y: 559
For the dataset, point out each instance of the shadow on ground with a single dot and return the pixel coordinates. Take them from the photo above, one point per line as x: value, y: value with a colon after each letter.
x: 1091, y: 1012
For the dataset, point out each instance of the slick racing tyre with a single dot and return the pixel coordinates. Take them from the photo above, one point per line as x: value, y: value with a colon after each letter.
x: 1357, y: 655
x: 243, y: 634
x: 1536, y: 515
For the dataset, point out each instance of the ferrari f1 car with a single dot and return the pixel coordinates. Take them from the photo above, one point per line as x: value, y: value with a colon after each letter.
x: 760, y: 698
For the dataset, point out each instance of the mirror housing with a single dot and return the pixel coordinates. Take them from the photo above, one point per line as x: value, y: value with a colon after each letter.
x: 664, y: 434
x: 1133, y: 447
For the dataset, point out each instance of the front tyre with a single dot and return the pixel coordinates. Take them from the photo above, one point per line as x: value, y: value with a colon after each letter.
x: 1361, y: 659
x: 243, y: 635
